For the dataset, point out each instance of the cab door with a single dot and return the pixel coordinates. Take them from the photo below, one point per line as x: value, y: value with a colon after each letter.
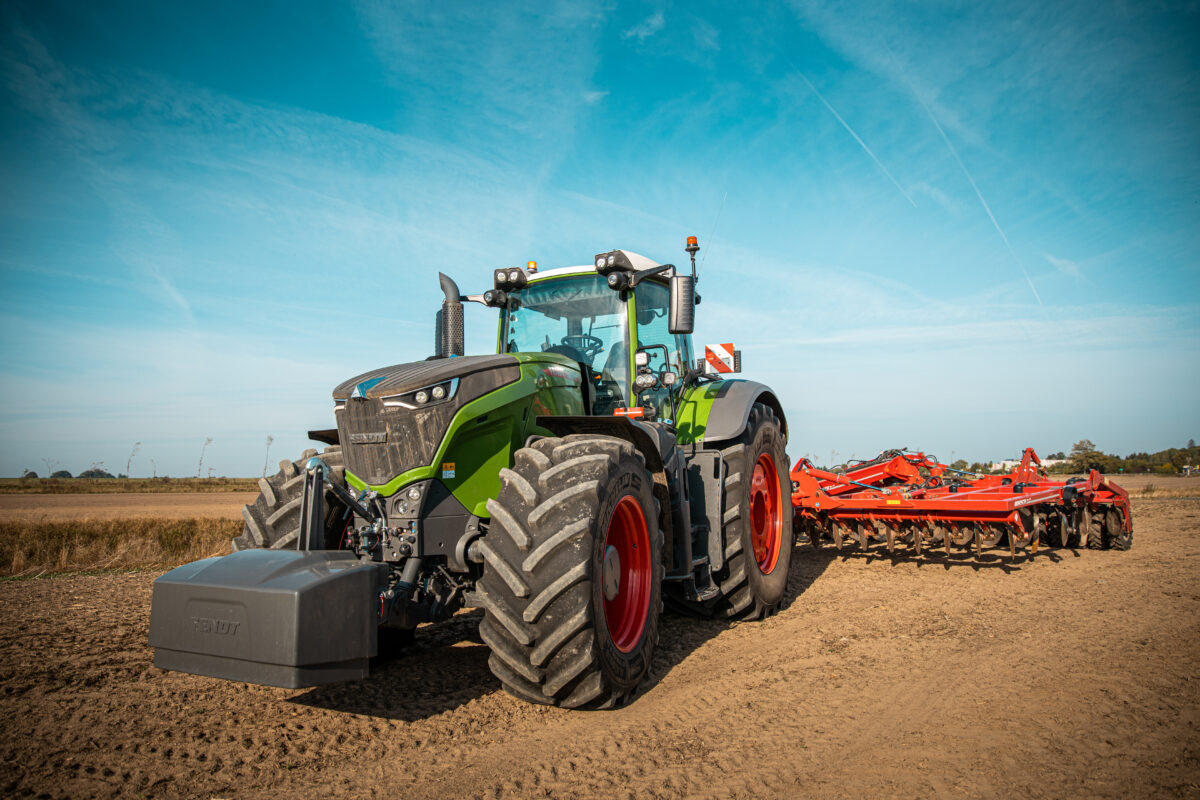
x: 651, y: 307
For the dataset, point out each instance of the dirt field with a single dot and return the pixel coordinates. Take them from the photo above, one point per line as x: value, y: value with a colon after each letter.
x: 1075, y: 675
x: 179, y: 505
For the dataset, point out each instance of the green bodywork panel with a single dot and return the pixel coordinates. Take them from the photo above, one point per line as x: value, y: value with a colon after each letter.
x: 694, y: 407
x: 486, y: 432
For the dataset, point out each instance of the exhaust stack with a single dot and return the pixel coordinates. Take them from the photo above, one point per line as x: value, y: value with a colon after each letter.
x: 450, y: 339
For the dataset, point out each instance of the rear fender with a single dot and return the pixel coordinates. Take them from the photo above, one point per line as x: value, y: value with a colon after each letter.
x: 718, y: 411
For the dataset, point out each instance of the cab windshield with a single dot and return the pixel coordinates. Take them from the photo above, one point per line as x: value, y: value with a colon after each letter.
x: 581, y: 318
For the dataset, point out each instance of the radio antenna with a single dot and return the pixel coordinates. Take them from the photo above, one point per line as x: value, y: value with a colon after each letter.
x: 711, y: 232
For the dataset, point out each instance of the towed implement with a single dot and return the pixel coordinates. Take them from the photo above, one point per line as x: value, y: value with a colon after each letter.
x: 566, y: 485
x: 911, y: 499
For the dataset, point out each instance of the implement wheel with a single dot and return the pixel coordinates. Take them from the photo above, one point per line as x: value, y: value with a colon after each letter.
x: 572, y: 575
x: 757, y: 521
x: 273, y: 519
x: 1114, y: 530
x: 1091, y: 526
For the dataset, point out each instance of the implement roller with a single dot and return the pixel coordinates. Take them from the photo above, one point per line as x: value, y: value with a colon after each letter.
x: 904, y: 498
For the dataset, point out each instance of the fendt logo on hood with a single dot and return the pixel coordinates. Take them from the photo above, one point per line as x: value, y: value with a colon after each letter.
x: 370, y: 437
x: 221, y: 627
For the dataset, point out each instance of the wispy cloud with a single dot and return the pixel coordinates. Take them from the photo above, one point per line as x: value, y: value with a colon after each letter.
x: 857, y: 138
x: 521, y: 73
x: 982, y: 201
x: 938, y: 196
x: 706, y: 35
x: 1064, y: 265
x: 646, y: 28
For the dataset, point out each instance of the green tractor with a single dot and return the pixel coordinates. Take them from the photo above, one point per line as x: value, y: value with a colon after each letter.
x: 569, y: 485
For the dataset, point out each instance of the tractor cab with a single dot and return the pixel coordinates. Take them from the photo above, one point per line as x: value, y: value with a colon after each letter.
x: 616, y: 324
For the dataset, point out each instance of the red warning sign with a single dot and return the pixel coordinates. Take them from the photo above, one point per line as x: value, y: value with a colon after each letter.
x: 720, y: 357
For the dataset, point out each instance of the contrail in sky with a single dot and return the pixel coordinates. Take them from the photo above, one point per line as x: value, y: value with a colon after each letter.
x: 857, y: 138
x: 983, y: 202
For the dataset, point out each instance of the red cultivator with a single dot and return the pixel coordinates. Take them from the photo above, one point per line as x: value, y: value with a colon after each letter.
x: 913, y: 499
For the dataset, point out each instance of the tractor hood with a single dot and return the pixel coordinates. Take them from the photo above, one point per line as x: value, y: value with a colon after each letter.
x: 392, y: 420
x: 404, y: 378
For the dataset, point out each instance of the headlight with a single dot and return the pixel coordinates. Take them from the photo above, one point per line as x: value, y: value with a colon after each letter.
x: 422, y: 397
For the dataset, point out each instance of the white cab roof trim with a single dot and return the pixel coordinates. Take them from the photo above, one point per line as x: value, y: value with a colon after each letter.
x: 638, y: 260
x: 551, y: 273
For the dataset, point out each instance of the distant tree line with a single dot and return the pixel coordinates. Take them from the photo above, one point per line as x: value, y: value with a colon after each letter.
x: 94, y: 472
x: 1085, y: 456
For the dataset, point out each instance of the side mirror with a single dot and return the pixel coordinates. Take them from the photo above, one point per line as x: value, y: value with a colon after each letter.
x: 682, y: 317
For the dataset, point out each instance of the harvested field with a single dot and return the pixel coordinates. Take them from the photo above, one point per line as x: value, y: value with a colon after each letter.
x: 124, y: 485
x: 174, y: 505
x: 30, y: 549
x: 1071, y: 675
x: 1159, y: 485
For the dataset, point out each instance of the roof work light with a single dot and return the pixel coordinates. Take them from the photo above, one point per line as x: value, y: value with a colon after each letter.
x: 510, y: 279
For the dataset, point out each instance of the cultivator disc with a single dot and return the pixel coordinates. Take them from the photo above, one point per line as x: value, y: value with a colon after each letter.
x: 910, y: 500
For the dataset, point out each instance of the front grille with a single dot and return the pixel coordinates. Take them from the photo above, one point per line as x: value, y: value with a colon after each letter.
x: 410, y: 437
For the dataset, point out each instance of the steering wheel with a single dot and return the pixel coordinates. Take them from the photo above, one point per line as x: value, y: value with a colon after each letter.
x: 585, y: 343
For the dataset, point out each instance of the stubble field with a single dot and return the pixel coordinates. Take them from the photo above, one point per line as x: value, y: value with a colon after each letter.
x: 1071, y: 675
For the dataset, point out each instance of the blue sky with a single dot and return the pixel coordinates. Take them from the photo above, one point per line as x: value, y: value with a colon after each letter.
x: 963, y: 227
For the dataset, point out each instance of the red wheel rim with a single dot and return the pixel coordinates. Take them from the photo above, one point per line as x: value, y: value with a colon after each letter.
x: 626, y: 574
x: 766, y: 514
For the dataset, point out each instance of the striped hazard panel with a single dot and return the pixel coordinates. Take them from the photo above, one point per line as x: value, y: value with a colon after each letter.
x: 722, y: 359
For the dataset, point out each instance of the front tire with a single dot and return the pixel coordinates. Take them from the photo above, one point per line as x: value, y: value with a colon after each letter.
x: 273, y: 519
x: 572, y: 576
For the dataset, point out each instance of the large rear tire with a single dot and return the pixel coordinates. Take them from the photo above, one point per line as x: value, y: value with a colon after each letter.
x: 757, y: 521
x: 572, y: 577
x: 273, y: 519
